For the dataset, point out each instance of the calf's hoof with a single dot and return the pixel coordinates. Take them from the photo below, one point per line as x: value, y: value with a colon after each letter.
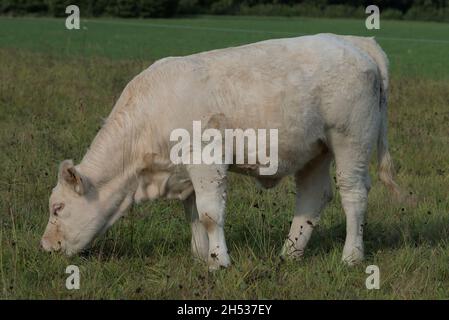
x: 352, y: 256
x: 290, y: 252
x: 217, y: 261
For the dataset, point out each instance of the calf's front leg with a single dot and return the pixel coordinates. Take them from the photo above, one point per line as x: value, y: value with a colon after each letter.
x: 209, y: 183
x: 200, y: 240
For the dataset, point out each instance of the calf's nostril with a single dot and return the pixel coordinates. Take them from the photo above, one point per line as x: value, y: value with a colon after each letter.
x: 45, y: 244
x: 48, y: 245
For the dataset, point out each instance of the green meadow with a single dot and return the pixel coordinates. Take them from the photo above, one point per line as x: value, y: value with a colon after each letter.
x: 56, y: 86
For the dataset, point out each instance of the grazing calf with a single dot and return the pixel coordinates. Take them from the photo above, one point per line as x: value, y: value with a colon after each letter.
x: 325, y: 94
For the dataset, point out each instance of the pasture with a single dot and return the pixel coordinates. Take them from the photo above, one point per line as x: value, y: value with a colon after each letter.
x: 57, y: 85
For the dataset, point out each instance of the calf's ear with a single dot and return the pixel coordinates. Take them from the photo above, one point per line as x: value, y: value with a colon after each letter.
x: 70, y: 176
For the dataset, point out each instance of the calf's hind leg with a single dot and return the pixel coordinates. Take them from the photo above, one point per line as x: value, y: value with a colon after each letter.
x: 352, y: 161
x: 313, y: 192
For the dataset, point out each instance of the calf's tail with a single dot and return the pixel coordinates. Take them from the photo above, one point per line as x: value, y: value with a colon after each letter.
x: 385, y: 163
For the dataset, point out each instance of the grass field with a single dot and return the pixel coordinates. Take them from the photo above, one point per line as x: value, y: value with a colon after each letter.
x: 56, y: 86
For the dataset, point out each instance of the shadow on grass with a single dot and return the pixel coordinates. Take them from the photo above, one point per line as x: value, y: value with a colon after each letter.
x: 379, y: 236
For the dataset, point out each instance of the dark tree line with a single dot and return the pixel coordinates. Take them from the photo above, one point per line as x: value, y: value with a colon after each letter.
x: 396, y: 9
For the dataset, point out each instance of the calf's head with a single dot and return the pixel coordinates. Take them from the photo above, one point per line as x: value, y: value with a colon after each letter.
x: 79, y: 211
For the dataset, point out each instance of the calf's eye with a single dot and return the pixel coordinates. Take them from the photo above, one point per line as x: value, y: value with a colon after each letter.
x: 57, y: 207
